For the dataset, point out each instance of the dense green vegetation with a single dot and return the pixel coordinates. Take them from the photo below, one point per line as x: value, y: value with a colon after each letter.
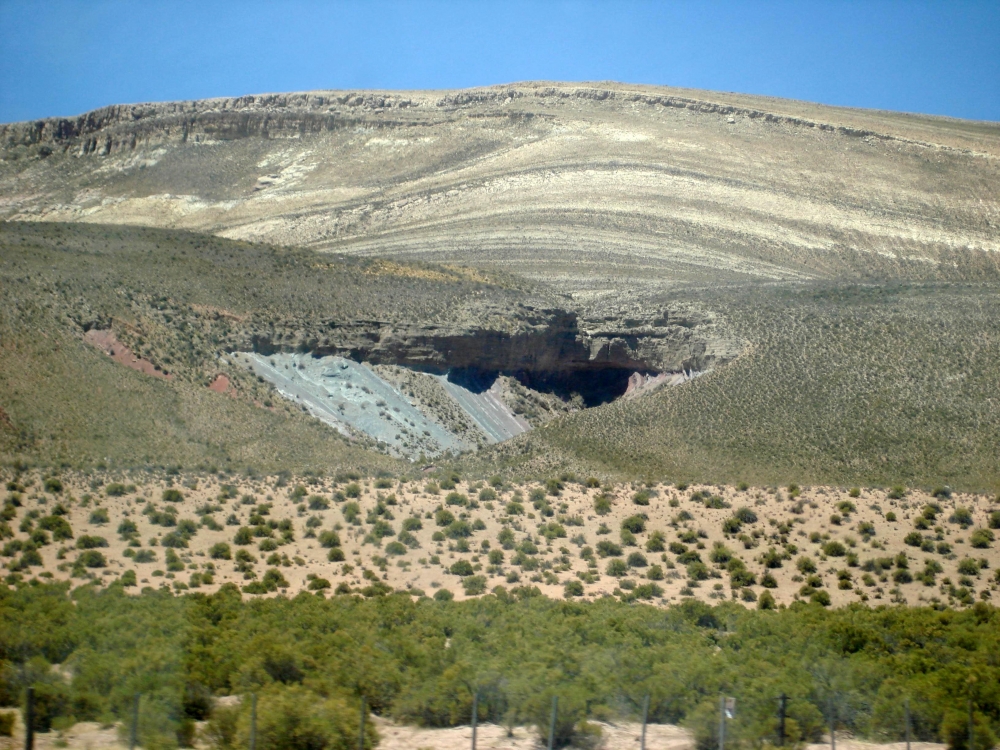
x: 420, y: 661
x: 842, y: 384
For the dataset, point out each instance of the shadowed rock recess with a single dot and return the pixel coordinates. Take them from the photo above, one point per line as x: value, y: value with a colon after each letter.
x: 546, y: 351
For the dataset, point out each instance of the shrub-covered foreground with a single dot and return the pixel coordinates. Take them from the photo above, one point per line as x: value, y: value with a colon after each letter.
x: 310, y: 660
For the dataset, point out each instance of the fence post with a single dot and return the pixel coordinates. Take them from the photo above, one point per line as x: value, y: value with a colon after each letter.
x: 645, y: 718
x: 29, y: 721
x: 833, y: 725
x: 253, y: 721
x: 906, y: 718
x: 361, y: 734
x: 782, y: 707
x: 552, y: 721
x: 722, y: 721
x: 133, y: 735
x: 972, y: 728
x: 475, y: 716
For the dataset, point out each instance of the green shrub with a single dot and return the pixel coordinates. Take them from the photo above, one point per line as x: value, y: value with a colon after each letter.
x: 902, y: 576
x: 731, y: 526
x: 698, y: 571
x: 273, y: 579
x: 968, y: 567
x: 913, y: 539
x: 329, y: 539
x: 720, y: 554
x: 243, y: 536
x: 91, y: 542
x: 715, y: 502
x: 637, y: 560
x: 636, y: 524
x: 412, y: 524
x: 336, y: 555
x: 771, y: 558
x: 474, y: 585
x: 175, y: 540
x: 572, y: 588
x: 99, y: 516
x: 617, y: 568
x: 834, y: 548
x: 806, y: 565
x: 656, y: 542
x: 291, y: 717
x: 607, y: 548
x: 962, y: 516
x: 821, y: 597
x: 353, y: 490
x: 318, y: 503
x: 443, y: 595
x: 458, y: 530
x: 91, y: 558
x: 981, y: 538
x: 456, y: 498
x: 461, y: 568
x: 351, y: 512
x: 602, y: 505
x: 171, y: 495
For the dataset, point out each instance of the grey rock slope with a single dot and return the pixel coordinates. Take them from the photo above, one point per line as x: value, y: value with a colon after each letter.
x: 599, y: 188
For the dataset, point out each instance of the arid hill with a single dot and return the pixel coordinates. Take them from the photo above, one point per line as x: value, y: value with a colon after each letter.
x: 593, y: 186
x: 820, y: 284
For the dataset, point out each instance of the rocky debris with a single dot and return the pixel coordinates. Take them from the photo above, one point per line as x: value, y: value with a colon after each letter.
x: 107, y: 342
x: 641, y: 383
x: 486, y: 407
x: 351, y: 397
x: 220, y: 384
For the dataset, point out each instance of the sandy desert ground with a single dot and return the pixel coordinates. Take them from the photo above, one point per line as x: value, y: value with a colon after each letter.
x: 620, y: 736
x: 409, y: 535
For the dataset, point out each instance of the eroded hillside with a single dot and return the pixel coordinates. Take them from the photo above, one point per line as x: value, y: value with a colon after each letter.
x: 829, y: 275
x: 590, y: 186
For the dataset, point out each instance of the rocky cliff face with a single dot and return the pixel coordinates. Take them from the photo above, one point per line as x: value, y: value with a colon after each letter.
x: 550, y: 348
x: 556, y: 344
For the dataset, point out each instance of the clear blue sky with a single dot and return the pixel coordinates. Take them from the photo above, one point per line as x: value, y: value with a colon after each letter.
x: 64, y: 57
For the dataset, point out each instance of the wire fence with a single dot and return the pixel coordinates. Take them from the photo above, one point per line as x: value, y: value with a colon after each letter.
x: 727, y: 712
